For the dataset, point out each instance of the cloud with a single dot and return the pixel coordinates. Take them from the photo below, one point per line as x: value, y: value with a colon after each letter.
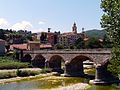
x: 41, y: 22
x: 3, y: 22
x: 24, y: 25
x: 39, y: 30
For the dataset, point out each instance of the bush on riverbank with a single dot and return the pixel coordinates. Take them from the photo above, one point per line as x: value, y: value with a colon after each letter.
x: 20, y: 73
x: 8, y: 63
x: 24, y: 73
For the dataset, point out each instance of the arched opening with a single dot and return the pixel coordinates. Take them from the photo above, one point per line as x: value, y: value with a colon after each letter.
x: 38, y: 61
x: 75, y: 66
x: 56, y: 62
x: 27, y: 58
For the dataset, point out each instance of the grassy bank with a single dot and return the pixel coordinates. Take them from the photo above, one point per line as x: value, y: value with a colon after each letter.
x: 18, y: 73
x: 9, y: 63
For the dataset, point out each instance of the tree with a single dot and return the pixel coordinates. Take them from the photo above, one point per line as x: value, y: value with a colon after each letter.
x: 111, y: 19
x: 114, y: 65
x: 80, y: 43
x: 107, y: 43
x: 111, y: 23
x: 59, y: 46
x: 2, y: 34
x: 93, y: 43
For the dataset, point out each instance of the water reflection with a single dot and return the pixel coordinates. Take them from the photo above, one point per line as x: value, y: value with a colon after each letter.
x: 52, y: 82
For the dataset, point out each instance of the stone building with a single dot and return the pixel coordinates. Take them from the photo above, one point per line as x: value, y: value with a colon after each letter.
x: 68, y: 39
x: 48, y: 37
x: 33, y: 45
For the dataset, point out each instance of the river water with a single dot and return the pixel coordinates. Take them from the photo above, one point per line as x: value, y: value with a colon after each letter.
x: 50, y: 82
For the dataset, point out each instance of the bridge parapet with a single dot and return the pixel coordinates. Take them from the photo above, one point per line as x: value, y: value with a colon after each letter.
x: 84, y: 51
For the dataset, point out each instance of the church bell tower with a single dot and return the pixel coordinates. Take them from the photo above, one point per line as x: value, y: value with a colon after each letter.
x: 74, y: 28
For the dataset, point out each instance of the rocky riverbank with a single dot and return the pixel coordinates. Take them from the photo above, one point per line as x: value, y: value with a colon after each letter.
x: 79, y: 86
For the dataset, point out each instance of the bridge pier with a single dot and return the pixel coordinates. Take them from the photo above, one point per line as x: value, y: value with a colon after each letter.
x: 102, y: 76
x: 73, y: 71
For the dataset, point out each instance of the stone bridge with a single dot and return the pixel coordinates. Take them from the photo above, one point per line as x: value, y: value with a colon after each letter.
x: 73, y: 61
x: 98, y: 56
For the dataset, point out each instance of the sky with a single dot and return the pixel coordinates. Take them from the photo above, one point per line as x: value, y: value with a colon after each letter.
x: 59, y: 15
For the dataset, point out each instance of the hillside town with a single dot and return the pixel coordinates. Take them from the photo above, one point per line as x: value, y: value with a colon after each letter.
x: 26, y: 40
x: 41, y: 50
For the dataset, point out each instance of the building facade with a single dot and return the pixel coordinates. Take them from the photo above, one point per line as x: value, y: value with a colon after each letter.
x: 48, y: 37
x: 68, y: 39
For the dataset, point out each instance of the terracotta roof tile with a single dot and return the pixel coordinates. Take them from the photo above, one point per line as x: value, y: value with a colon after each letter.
x: 19, y: 46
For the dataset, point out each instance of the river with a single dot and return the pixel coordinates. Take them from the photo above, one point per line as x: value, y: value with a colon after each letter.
x: 51, y: 82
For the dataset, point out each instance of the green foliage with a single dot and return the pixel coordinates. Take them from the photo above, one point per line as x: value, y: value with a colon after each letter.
x: 93, y: 43
x: 24, y: 73
x: 59, y: 46
x: 2, y: 34
x: 4, y: 75
x: 114, y: 65
x: 80, y: 43
x: 111, y: 23
x: 96, y: 33
x: 8, y: 63
x: 111, y: 19
x: 107, y: 43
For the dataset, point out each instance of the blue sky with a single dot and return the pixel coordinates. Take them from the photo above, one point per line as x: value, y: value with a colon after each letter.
x: 38, y: 15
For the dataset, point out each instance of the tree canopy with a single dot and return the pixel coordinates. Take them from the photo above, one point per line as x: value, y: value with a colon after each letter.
x: 111, y: 19
x: 111, y: 23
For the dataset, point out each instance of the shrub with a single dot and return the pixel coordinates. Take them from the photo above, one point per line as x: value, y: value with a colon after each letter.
x: 24, y: 73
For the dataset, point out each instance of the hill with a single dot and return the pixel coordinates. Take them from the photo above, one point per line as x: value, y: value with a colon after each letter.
x: 96, y: 33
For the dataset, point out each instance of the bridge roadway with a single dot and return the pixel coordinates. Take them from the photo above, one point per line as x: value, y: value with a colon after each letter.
x: 73, y: 61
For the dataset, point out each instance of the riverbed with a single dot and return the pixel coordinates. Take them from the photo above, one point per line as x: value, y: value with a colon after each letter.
x: 55, y: 83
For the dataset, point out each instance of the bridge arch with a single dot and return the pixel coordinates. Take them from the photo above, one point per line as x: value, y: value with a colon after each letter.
x: 75, y: 66
x: 81, y: 58
x: 26, y: 58
x: 38, y: 61
x: 56, y: 62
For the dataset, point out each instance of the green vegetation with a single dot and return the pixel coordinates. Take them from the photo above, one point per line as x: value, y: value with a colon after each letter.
x: 93, y: 43
x: 80, y: 44
x: 20, y: 73
x: 17, y: 37
x: 111, y: 23
x: 96, y: 33
x: 114, y: 65
x: 59, y: 46
x: 24, y: 73
x: 90, y: 43
x: 8, y: 63
x: 107, y: 43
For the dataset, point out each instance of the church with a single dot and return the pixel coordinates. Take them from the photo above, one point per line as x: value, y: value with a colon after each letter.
x: 69, y: 38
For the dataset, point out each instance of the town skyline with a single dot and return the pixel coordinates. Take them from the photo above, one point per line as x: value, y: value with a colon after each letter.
x: 37, y: 16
